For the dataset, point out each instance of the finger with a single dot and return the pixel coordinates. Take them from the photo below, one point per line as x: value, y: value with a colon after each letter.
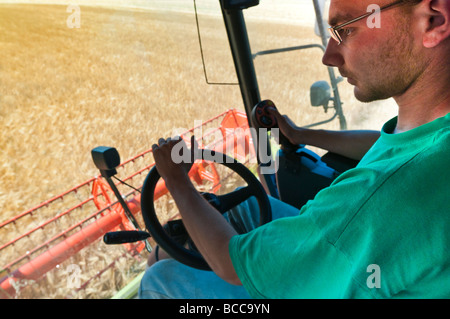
x: 274, y: 112
x: 272, y: 109
x: 280, y: 118
x: 161, y: 141
x: 154, y: 147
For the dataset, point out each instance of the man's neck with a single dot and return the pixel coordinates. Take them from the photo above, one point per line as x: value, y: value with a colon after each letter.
x: 425, y: 101
x: 414, y: 115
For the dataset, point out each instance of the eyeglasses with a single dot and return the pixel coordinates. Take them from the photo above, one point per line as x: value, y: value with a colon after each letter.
x: 335, y: 31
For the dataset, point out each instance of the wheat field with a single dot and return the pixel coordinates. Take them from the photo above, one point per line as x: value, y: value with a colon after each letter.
x: 126, y: 77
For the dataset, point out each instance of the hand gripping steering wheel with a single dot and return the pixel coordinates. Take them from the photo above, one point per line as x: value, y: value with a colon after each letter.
x: 222, y: 203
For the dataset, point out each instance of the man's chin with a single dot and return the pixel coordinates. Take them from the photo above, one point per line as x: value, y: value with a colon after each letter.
x: 366, y: 96
x: 360, y: 95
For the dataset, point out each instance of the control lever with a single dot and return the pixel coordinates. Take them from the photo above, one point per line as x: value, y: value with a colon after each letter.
x: 107, y: 159
x: 262, y: 118
x: 123, y: 237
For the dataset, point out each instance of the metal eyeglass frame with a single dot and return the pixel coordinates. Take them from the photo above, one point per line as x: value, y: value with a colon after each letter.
x: 334, y: 30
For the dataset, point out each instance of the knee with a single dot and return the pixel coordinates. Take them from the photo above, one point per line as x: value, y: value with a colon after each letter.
x: 154, y: 282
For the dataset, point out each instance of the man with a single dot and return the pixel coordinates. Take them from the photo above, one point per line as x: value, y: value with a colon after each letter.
x: 381, y: 229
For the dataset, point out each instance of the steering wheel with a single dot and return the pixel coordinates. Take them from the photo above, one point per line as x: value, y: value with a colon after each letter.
x: 222, y: 203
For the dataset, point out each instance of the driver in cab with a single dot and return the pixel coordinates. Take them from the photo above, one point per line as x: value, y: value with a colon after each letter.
x: 381, y: 230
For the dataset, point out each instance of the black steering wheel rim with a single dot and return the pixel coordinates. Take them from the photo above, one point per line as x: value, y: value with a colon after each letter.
x: 178, y: 252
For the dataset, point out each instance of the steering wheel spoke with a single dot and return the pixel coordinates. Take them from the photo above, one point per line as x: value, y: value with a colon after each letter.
x: 230, y: 200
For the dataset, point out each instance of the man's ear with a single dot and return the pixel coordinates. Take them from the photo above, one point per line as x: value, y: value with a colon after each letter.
x: 437, y: 23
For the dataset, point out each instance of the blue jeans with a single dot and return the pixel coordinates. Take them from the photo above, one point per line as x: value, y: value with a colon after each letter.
x: 169, y: 279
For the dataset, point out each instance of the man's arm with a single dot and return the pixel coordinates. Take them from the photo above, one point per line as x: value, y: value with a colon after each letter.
x: 351, y: 144
x: 208, y: 229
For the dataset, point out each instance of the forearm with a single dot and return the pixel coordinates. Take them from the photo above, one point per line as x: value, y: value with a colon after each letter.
x: 208, y: 229
x: 352, y: 144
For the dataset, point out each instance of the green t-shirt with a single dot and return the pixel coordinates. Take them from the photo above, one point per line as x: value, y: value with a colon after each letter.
x: 381, y: 230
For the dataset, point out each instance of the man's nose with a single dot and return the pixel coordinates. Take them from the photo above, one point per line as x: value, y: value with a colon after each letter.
x: 332, y: 56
